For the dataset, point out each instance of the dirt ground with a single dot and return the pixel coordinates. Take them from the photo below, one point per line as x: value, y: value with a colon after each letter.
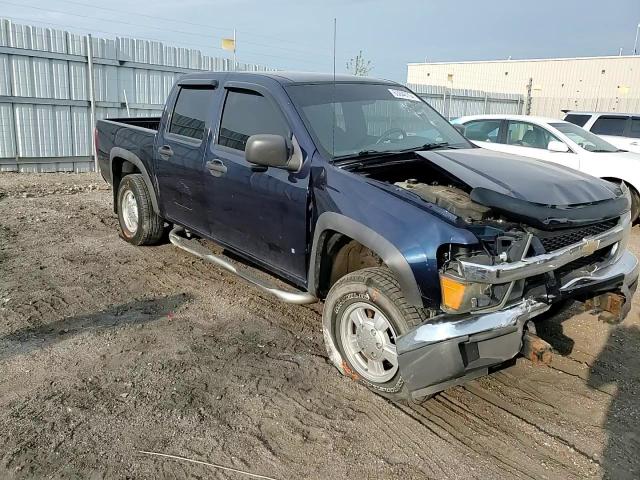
x: 108, y: 349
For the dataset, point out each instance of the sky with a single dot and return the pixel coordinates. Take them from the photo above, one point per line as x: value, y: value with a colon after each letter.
x: 298, y: 35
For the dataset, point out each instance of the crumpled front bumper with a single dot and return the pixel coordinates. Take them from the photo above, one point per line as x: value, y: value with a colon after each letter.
x: 452, y: 349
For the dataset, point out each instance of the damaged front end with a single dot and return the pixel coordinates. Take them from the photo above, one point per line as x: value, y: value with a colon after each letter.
x: 529, y: 255
x: 489, y: 296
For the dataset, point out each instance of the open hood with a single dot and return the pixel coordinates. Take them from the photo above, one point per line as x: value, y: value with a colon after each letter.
x: 542, y: 193
x: 523, y: 178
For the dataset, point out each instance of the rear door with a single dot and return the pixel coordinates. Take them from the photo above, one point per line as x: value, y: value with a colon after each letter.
x: 634, y: 135
x: 261, y: 213
x: 485, y: 133
x: 179, y: 156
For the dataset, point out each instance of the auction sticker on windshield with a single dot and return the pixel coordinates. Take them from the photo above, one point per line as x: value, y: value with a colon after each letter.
x: 403, y: 94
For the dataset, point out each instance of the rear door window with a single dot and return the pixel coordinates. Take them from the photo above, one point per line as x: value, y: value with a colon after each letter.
x: 577, y: 119
x: 193, y: 107
x: 610, y: 126
x: 635, y: 127
x: 248, y: 113
x: 483, y: 130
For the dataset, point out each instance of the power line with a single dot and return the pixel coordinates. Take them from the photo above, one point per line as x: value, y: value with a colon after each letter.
x: 186, y: 22
x: 129, y: 24
x: 208, y: 27
x: 151, y: 39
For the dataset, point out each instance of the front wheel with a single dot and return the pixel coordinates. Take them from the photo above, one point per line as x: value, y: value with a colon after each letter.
x: 367, y: 314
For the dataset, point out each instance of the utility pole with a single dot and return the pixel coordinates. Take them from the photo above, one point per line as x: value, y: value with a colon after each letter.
x: 527, y: 110
x: 92, y: 101
x: 635, y: 44
x: 235, y: 64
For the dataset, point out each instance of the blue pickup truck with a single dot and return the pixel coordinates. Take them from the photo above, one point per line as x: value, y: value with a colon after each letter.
x: 432, y: 256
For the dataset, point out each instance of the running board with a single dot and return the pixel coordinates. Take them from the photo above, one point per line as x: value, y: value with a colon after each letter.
x: 194, y: 248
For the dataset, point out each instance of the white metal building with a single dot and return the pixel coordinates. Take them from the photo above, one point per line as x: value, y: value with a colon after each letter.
x: 587, y: 83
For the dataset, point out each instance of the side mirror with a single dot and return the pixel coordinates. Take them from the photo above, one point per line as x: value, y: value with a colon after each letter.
x: 556, y: 146
x: 460, y: 128
x: 270, y: 151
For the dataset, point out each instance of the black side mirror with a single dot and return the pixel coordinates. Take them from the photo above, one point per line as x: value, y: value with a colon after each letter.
x: 271, y: 151
x: 460, y: 128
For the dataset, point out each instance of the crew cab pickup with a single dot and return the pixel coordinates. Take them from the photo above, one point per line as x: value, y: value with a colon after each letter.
x: 431, y: 255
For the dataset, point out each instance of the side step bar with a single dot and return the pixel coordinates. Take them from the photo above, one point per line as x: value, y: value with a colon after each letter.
x: 194, y: 248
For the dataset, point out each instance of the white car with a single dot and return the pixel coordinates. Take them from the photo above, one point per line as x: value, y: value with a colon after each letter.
x: 559, y: 142
x: 619, y: 129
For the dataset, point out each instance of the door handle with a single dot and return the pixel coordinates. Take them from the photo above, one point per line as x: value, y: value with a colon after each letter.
x: 165, y: 151
x: 216, y: 168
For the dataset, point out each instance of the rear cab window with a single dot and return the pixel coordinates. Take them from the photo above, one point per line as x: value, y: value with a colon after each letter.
x: 192, y: 109
x: 610, y: 125
x: 249, y: 113
x: 577, y: 119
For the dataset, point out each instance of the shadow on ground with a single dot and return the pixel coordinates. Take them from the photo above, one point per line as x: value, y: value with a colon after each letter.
x: 619, y: 363
x: 549, y: 326
x: 28, y: 339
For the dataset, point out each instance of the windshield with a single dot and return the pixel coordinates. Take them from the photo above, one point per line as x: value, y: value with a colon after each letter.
x: 355, y: 118
x: 585, y: 139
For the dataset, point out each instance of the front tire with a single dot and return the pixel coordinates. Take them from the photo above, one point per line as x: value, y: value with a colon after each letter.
x: 367, y: 313
x: 139, y: 224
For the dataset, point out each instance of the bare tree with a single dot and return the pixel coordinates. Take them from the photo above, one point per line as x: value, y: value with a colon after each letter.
x: 359, y: 66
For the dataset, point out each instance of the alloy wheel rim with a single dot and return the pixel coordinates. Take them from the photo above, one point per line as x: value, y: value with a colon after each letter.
x: 369, y: 342
x: 130, y: 211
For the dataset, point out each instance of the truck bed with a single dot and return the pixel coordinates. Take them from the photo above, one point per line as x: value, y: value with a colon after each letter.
x: 134, y: 135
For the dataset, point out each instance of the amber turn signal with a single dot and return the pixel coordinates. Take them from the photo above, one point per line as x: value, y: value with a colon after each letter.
x: 452, y: 292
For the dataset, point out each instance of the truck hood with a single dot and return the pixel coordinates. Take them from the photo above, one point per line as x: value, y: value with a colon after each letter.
x: 522, y: 178
x: 541, y: 194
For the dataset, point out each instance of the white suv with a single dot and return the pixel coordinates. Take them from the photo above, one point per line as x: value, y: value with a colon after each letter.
x: 619, y: 129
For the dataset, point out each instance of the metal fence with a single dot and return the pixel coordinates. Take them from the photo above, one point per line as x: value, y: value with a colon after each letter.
x: 457, y: 102
x: 54, y: 85
x: 53, y: 81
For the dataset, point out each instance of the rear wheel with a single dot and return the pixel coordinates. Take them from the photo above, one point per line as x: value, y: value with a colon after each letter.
x: 139, y: 224
x: 368, y: 313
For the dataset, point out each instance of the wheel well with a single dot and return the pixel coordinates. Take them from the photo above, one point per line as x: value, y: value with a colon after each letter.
x: 120, y: 168
x: 618, y: 180
x: 341, y: 255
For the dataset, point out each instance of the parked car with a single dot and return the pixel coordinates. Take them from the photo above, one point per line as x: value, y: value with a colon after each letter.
x: 619, y: 129
x: 559, y: 142
x: 431, y: 255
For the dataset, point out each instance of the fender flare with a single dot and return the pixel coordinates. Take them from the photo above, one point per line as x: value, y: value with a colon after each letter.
x: 370, y: 239
x: 134, y: 159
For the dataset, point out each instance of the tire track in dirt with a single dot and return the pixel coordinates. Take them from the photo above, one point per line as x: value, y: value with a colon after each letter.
x: 282, y: 408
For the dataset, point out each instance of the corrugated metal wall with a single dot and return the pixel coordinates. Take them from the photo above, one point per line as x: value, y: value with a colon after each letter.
x: 45, y: 120
x: 456, y: 102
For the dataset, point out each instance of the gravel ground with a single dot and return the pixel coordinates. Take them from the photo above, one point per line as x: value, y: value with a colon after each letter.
x: 108, y: 349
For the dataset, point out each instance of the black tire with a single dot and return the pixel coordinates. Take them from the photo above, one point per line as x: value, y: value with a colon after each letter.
x: 635, y: 205
x: 149, y: 225
x: 376, y: 287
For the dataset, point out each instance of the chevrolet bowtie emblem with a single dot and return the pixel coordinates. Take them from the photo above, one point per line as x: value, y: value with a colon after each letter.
x: 590, y: 246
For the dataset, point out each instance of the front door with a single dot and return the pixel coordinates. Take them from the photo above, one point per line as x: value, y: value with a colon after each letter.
x: 530, y: 140
x: 262, y: 213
